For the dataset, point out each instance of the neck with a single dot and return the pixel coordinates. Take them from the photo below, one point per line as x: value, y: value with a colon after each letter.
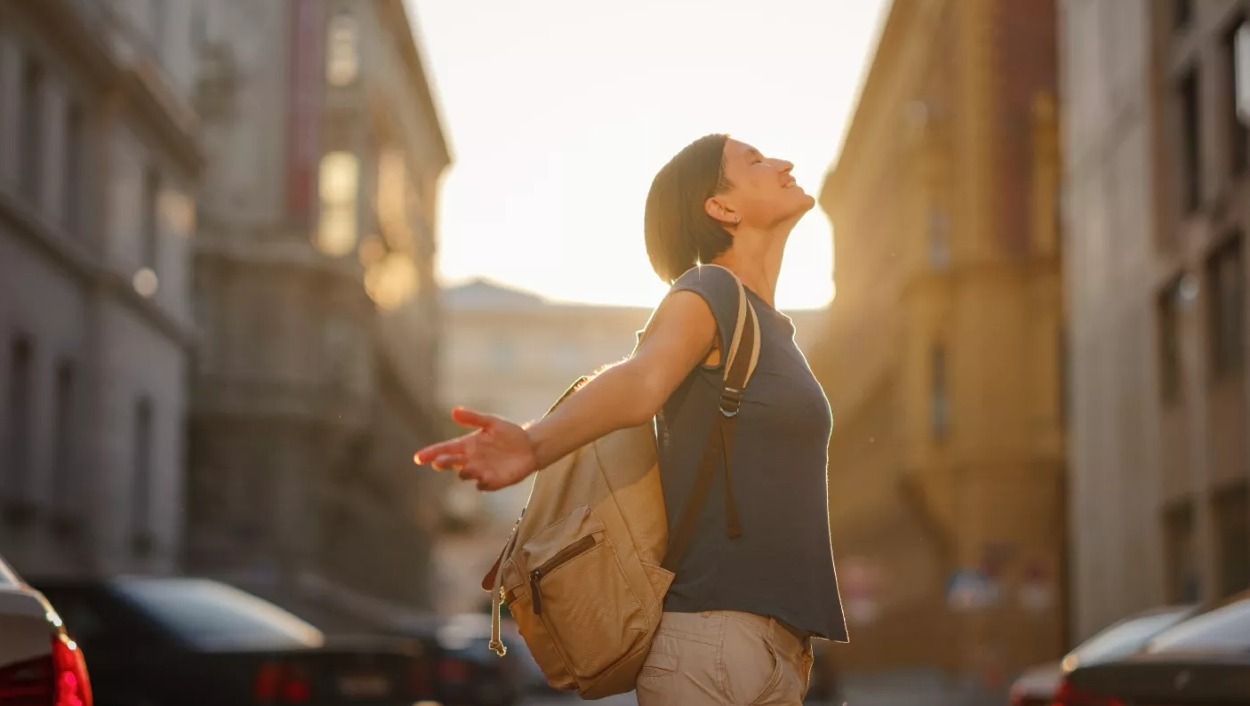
x: 755, y: 257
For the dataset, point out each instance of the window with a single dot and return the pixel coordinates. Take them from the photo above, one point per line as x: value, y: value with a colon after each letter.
x: 1184, y: 581
x: 151, y: 218
x: 1224, y: 629
x: 1226, y: 306
x: 159, y: 27
x: 1168, y: 315
x: 1238, y: 125
x: 342, y: 51
x: 939, y: 419
x: 30, y: 132
x: 213, y: 615
x: 17, y: 446
x: 1125, y: 637
x: 1182, y: 13
x: 73, y: 170
x: 64, y: 492
x: 21, y: 380
x: 1190, y: 142
x: 197, y: 28
x: 141, y: 480
x: 1232, y: 534
x: 503, y: 353
x: 339, y: 185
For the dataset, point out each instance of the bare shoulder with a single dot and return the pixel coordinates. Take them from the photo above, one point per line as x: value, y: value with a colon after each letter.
x: 679, y: 335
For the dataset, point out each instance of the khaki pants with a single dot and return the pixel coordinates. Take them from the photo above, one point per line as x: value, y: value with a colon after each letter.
x: 724, y: 657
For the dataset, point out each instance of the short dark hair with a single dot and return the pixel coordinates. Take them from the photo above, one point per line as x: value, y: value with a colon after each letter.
x: 679, y: 232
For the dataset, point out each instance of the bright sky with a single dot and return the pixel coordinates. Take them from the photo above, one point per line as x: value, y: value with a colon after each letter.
x: 560, y: 112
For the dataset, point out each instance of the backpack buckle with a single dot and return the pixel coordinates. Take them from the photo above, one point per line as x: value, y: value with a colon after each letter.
x: 730, y: 401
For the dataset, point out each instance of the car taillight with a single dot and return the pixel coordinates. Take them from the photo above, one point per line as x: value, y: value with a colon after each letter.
x: 421, y: 680
x: 28, y: 683
x: 453, y: 670
x: 277, y: 682
x: 1068, y: 695
x: 57, y: 680
x: 73, y: 687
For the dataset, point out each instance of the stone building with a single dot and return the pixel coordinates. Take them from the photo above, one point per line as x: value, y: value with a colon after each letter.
x: 99, y: 165
x: 316, y: 302
x: 943, y: 357
x: 1156, y: 209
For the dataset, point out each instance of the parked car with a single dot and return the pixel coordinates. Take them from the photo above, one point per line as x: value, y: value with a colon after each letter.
x: 40, y: 664
x: 1038, y: 685
x: 1203, y: 660
x: 466, y: 671
x: 189, y: 641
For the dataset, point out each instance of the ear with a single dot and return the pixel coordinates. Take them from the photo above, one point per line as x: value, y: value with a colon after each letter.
x: 716, y: 207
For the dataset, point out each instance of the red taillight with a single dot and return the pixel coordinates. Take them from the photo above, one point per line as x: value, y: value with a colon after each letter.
x: 1068, y: 695
x: 57, y: 680
x: 277, y: 682
x: 29, y: 683
x: 73, y: 687
x: 420, y: 680
x: 453, y: 670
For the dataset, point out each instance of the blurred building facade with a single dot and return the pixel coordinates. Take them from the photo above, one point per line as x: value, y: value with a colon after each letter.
x: 316, y: 302
x: 512, y: 353
x: 1156, y: 209
x: 99, y: 164
x: 943, y: 356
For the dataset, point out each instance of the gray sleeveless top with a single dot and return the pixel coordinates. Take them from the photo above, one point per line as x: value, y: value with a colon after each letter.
x: 782, y: 564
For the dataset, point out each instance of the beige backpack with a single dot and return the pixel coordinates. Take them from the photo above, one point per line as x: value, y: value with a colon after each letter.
x: 585, y: 571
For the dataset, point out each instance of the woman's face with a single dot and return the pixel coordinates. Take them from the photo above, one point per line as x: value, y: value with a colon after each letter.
x: 763, y: 194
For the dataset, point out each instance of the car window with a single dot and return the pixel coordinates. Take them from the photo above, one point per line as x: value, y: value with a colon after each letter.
x: 97, y: 620
x: 213, y: 615
x: 1225, y: 628
x: 1123, y: 638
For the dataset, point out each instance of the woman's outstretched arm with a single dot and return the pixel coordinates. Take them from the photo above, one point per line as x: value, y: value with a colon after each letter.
x: 498, y: 453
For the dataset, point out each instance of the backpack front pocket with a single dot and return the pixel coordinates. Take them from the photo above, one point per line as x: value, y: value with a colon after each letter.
x: 581, y: 594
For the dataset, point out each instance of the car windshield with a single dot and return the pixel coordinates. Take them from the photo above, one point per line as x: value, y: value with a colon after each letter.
x: 1225, y: 628
x: 213, y: 615
x: 1123, y: 638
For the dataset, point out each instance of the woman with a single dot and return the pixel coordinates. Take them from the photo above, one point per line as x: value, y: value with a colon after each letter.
x: 742, y: 612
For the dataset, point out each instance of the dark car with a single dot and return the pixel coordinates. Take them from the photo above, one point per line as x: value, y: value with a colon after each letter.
x: 192, y: 642
x: 1204, y: 660
x: 466, y: 671
x: 1037, y: 685
x: 40, y: 664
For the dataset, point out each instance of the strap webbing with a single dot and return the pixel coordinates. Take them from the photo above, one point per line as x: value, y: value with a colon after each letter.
x: 718, y: 452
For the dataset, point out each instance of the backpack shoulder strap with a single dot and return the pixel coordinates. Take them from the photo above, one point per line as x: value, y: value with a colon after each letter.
x: 743, y: 356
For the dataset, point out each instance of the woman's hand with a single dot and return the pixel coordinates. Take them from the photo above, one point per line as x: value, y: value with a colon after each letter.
x: 496, y: 454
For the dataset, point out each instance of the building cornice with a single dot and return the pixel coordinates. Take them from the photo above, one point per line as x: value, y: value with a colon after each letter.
x: 402, y: 25
x: 83, y: 34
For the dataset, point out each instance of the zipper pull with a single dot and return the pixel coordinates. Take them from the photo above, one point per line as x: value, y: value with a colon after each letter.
x: 536, y: 598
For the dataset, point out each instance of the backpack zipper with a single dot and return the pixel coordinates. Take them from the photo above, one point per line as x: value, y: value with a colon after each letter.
x: 565, y: 555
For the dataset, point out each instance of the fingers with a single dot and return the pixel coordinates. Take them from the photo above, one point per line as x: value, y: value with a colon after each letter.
x: 446, y: 461
x: 469, y: 418
x: 452, y: 447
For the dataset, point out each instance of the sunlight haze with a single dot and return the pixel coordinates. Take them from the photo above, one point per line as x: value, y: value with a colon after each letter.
x: 559, y: 113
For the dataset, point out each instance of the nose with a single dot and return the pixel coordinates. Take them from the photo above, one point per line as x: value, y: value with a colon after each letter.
x: 785, y: 166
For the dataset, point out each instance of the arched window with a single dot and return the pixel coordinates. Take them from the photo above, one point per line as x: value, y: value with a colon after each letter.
x: 339, y: 184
